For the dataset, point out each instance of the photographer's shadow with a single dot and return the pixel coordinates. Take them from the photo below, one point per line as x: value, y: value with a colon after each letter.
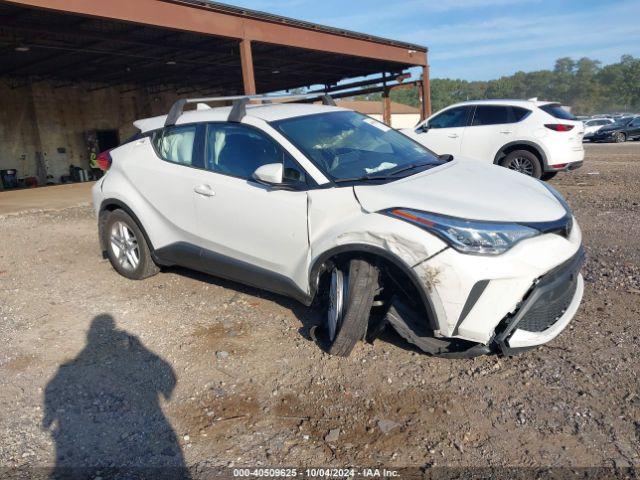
x: 104, y: 414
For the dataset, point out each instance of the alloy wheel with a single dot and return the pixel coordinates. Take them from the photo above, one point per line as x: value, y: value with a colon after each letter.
x: 124, y: 246
x: 522, y: 165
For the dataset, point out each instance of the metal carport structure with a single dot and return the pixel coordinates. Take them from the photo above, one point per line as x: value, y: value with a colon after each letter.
x: 181, y: 47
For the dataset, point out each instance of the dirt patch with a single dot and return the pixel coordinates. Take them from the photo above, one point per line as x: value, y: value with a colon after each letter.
x: 20, y: 363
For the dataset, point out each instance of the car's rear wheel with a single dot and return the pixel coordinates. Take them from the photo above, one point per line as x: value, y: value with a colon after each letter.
x: 523, y: 161
x: 351, y: 291
x: 548, y: 175
x: 620, y: 137
x: 127, y: 247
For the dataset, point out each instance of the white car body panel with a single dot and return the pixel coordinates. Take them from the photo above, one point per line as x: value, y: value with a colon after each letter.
x: 287, y: 232
x: 440, y: 140
x: 486, y: 189
x: 250, y: 233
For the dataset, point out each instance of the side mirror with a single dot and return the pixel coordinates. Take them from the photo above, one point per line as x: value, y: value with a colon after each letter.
x: 424, y: 127
x: 270, y: 174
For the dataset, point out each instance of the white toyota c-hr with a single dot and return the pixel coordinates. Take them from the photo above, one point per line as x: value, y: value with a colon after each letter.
x: 337, y: 210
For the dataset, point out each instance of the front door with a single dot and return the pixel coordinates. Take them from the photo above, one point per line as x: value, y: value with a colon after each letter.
x: 250, y: 232
x: 444, y: 132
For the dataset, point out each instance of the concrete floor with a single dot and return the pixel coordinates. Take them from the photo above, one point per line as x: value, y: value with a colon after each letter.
x: 45, y: 198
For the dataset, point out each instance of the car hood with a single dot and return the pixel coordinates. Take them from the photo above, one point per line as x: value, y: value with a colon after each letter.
x: 467, y: 189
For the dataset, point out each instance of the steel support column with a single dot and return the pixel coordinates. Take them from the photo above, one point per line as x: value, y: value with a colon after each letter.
x: 386, y: 107
x: 246, y: 59
x: 426, y: 93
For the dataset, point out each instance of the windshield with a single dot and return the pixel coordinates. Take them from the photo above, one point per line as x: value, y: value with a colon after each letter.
x: 350, y: 146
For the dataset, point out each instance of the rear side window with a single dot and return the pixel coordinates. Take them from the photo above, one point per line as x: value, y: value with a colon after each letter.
x: 177, y: 145
x: 556, y: 110
x: 498, y: 114
x: 519, y: 113
x: 490, y: 115
x: 454, y: 117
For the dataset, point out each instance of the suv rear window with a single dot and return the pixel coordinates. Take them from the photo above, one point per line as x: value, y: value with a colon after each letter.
x: 556, y: 110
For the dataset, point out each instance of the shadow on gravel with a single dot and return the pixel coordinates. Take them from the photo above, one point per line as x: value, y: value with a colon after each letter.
x: 103, y: 410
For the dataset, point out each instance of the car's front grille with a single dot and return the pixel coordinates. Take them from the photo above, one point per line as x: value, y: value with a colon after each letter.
x: 549, y: 307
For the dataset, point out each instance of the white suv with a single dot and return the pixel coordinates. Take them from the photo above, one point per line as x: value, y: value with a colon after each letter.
x: 535, y: 138
x: 335, y: 209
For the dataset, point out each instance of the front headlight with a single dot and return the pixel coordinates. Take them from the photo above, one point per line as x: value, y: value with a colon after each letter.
x: 467, y: 236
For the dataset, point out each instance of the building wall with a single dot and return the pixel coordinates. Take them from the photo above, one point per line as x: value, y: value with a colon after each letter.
x: 41, y: 119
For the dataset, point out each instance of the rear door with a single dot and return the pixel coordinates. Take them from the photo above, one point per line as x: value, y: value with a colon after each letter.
x: 443, y: 133
x: 164, y: 170
x: 492, y: 127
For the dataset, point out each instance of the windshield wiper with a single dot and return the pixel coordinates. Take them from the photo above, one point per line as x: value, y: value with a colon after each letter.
x: 364, y: 178
x: 406, y: 168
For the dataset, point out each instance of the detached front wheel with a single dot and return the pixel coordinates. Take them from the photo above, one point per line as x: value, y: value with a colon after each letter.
x: 352, y: 288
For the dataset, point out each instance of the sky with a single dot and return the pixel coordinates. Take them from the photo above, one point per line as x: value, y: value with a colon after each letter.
x: 482, y: 39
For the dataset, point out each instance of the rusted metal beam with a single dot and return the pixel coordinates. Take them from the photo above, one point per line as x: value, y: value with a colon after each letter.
x: 426, y: 93
x: 246, y: 59
x: 386, y: 107
x: 174, y: 15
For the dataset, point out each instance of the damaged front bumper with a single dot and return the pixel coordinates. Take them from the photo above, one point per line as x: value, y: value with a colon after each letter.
x: 546, y: 310
x: 507, y: 303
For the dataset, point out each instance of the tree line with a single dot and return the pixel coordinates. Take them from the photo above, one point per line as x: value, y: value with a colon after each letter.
x: 585, y: 85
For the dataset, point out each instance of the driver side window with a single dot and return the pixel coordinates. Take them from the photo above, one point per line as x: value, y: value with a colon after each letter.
x: 454, y: 117
x: 237, y: 150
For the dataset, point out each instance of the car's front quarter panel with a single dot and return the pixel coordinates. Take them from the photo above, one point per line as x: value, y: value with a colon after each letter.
x: 500, y: 282
x: 338, y: 221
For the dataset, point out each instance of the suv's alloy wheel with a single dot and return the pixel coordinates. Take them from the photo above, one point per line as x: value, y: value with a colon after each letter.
x: 127, y: 247
x: 124, y: 246
x: 523, y: 161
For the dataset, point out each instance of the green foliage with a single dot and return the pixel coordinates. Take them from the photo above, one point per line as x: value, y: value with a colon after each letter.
x: 583, y: 84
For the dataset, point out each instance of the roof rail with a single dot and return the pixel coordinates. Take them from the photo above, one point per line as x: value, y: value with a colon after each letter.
x: 238, y: 111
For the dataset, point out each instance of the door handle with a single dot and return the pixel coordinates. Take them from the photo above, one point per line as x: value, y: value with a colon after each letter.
x: 453, y: 135
x: 506, y: 131
x: 204, y: 190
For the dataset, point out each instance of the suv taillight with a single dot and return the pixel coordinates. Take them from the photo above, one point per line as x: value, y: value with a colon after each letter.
x: 559, y: 127
x: 104, y: 160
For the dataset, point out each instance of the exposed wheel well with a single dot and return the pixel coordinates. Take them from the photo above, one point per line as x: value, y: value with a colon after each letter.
x: 512, y: 147
x: 395, y: 279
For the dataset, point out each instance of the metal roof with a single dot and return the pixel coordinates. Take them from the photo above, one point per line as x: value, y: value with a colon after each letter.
x: 104, y: 46
x: 270, y: 17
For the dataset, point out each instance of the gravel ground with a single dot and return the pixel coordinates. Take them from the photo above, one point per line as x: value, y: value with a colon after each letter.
x: 184, y: 369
